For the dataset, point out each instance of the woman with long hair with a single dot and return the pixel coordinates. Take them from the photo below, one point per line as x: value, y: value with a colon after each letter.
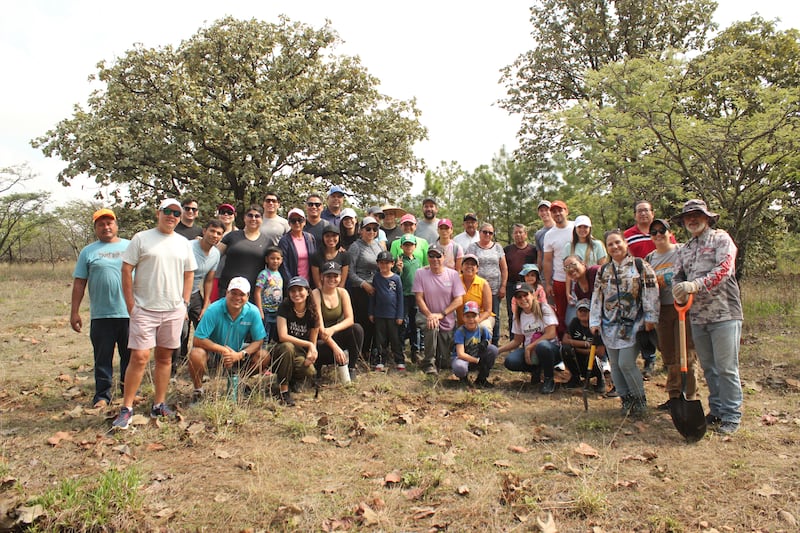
x: 584, y: 245
x: 329, y: 250
x: 244, y: 252
x: 297, y: 246
x: 348, y: 229
x: 226, y: 214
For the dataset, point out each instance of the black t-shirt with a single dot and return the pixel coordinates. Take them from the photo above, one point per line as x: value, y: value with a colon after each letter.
x: 190, y: 233
x: 296, y: 326
x: 243, y: 257
x: 318, y: 259
x: 578, y: 332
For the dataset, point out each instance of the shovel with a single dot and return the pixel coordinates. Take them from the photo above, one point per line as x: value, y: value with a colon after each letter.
x: 687, y: 415
x: 589, y: 367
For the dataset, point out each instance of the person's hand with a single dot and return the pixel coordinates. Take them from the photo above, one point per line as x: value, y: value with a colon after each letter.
x: 340, y: 356
x: 229, y: 357
x: 595, y: 332
x: 311, y: 356
x: 501, y: 292
x: 372, y: 318
x: 76, y: 322
x: 682, y: 290
x: 368, y: 288
x: 399, y: 263
x: 399, y: 321
x: 549, y: 290
x: 433, y: 320
x: 528, y: 351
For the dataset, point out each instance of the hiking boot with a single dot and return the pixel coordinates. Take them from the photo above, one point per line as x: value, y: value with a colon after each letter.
x: 549, y: 386
x: 161, y: 410
x: 627, y: 404
x: 649, y: 370
x: 727, y: 428
x: 123, y: 419
x: 483, y: 383
x: 286, y: 399
x: 431, y: 370
x: 664, y: 406
x: 713, y: 420
x: 295, y: 387
x: 639, y: 406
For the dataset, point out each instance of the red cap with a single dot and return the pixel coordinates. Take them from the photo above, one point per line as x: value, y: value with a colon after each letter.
x: 558, y: 203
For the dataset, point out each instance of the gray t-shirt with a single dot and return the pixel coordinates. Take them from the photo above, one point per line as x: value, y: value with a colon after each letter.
x: 489, y: 266
x: 428, y: 230
x: 274, y: 228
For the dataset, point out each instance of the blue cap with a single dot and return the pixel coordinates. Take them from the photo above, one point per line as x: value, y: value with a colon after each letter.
x: 335, y: 189
x: 298, y: 281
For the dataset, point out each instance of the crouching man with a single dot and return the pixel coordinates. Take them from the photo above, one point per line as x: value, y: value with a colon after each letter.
x: 230, y: 329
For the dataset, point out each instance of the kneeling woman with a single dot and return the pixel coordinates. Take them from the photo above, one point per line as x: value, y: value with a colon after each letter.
x: 292, y: 360
x: 534, y: 329
x: 339, y: 332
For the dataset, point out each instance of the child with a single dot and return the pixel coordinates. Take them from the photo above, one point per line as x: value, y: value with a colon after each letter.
x: 407, y: 265
x: 269, y: 291
x: 386, y: 311
x: 473, y: 349
x: 530, y: 273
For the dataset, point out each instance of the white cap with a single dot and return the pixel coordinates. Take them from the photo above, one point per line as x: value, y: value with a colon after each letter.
x: 239, y: 283
x: 348, y: 212
x: 167, y: 202
x: 583, y: 220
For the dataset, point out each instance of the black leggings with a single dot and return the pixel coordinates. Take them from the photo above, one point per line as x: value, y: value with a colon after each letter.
x: 349, y: 339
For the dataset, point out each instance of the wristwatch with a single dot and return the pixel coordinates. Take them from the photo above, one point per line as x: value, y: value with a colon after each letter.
x: 244, y: 353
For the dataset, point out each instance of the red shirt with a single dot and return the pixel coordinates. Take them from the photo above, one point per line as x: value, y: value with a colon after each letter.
x: 640, y: 244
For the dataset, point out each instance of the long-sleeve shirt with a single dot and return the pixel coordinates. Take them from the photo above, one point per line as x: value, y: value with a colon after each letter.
x: 710, y: 258
x: 363, y: 262
x: 387, y: 301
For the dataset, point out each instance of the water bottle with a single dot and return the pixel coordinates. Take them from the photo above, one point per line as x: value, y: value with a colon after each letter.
x: 233, y: 387
x: 343, y: 371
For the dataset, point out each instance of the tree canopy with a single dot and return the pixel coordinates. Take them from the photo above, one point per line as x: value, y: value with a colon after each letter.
x: 241, y: 107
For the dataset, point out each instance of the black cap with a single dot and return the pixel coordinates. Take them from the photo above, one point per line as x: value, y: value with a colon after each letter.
x: 298, y: 281
x: 330, y: 267
x: 523, y: 287
x: 384, y: 256
x: 470, y: 216
x: 331, y: 228
x: 436, y: 249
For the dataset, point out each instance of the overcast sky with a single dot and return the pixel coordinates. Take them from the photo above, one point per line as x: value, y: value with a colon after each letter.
x: 444, y: 53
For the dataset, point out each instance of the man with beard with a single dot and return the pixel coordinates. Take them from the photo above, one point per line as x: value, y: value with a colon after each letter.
x: 555, y: 276
x: 428, y: 227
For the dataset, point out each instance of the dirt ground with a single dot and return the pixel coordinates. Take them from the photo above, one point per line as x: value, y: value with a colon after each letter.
x: 396, y: 452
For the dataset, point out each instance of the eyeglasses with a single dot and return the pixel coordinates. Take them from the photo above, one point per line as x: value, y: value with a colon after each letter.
x: 436, y: 256
x: 225, y: 212
x: 370, y: 228
x: 192, y: 209
x: 314, y: 204
x: 270, y: 200
x: 253, y: 215
x: 296, y: 220
x: 571, y: 266
x: 662, y: 231
x: 174, y: 212
x: 487, y: 232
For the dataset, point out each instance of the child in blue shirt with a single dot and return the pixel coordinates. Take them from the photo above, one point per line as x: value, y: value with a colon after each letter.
x: 386, y: 312
x: 473, y: 349
x: 269, y: 291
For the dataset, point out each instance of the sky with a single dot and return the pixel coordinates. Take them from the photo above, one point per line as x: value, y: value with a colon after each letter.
x: 444, y: 54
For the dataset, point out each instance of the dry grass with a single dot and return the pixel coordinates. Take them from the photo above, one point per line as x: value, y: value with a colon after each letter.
x: 465, y: 460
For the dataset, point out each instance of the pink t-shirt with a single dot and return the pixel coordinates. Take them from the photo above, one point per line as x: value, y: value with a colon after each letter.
x: 303, y: 266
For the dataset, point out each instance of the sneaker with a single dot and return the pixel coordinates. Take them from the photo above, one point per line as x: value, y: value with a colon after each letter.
x: 161, y: 410
x: 649, y: 370
x: 431, y: 370
x: 401, y: 367
x: 664, y: 406
x: 713, y: 420
x: 727, y: 428
x: 286, y: 399
x: 483, y: 383
x: 560, y: 367
x: 380, y: 368
x: 123, y: 419
x: 612, y: 393
x: 549, y: 386
x: 198, y: 395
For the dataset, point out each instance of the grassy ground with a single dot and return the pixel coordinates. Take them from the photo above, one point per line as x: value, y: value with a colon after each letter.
x: 397, y: 452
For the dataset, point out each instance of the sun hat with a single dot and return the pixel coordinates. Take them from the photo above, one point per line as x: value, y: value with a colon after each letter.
x: 692, y: 206
x: 398, y: 211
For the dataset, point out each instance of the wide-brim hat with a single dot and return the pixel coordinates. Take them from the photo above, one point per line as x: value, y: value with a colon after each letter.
x: 398, y: 211
x: 693, y: 206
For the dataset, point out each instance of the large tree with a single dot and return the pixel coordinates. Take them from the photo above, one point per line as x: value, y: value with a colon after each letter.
x: 19, y: 211
x: 723, y: 126
x: 574, y: 37
x: 241, y: 107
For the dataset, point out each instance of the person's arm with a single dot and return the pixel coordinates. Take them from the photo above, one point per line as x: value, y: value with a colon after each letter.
x: 548, y: 335
x: 454, y: 304
x: 398, y: 304
x: 208, y: 285
x: 547, y: 274
x: 257, y: 295
x: 127, y: 285
x: 315, y: 276
x: 501, y: 292
x: 210, y: 346
x: 486, y: 303
x: 513, y: 344
x: 78, y: 290
x: 283, y: 336
x: 188, y: 280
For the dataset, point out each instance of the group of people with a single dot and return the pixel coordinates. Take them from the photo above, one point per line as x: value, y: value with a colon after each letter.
x: 321, y: 287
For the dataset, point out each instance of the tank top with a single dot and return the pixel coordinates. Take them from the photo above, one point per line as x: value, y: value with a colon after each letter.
x: 331, y: 315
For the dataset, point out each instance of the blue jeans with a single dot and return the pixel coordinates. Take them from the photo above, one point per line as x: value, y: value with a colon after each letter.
x: 547, y: 353
x: 105, y: 334
x: 461, y: 368
x: 717, y: 347
x: 626, y: 375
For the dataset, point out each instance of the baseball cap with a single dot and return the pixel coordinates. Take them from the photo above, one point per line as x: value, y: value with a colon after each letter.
x: 229, y: 207
x: 297, y: 212
x: 430, y: 199
x: 366, y: 221
x: 408, y: 217
x: 239, y: 283
x: 583, y: 220
x: 331, y: 229
x: 103, y: 213
x: 659, y: 221
x: 348, y: 212
x: 523, y: 287
x: 436, y: 249
x: 558, y: 203
x: 335, y: 189
x: 583, y: 303
x: 544, y: 203
x: 471, y: 256
x: 330, y: 267
x: 471, y: 307
x: 470, y: 216
x: 384, y: 256
x: 298, y: 281
x: 527, y: 268
x: 445, y: 222
x: 408, y: 237
x: 168, y: 202
x: 375, y: 210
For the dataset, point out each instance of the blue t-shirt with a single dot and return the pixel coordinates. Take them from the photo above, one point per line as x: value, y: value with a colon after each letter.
x: 470, y: 339
x: 218, y: 326
x: 205, y: 264
x: 101, y: 264
x: 387, y: 300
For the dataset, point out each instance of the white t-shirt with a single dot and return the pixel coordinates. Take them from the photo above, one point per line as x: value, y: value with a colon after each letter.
x: 533, y: 328
x: 554, y: 241
x: 159, y: 261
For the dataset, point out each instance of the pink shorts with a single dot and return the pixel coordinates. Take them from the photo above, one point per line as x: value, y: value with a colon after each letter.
x: 155, y: 328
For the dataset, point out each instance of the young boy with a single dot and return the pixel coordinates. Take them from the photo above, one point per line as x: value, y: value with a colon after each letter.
x: 473, y: 349
x: 386, y: 312
x: 407, y: 265
x: 269, y: 291
x: 576, y: 347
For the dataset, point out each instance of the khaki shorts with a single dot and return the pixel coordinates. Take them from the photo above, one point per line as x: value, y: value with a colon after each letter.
x: 156, y: 328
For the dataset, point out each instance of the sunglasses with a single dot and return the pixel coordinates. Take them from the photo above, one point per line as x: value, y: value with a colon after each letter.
x: 487, y: 232
x: 253, y: 215
x: 370, y: 228
x: 296, y: 221
x: 270, y: 200
x: 662, y: 231
x: 225, y: 212
x: 314, y: 204
x: 174, y: 212
x: 434, y: 256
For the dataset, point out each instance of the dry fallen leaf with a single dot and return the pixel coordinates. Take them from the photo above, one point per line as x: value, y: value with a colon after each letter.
x: 769, y: 420
x: 155, y: 447
x: 392, y: 477
x: 641, y: 458
x: 586, y: 450
x: 572, y: 470
x: 548, y: 466
x: 787, y: 517
x: 28, y: 515
x: 767, y: 491
x: 502, y: 463
x: 462, y: 490
x: 166, y: 512
x: 518, y: 449
x: 368, y: 516
x: 414, y: 494
x: 449, y: 458
x: 423, y: 512
x: 221, y: 454
x: 548, y: 525
x: 626, y: 484
x: 56, y: 439
x: 309, y: 439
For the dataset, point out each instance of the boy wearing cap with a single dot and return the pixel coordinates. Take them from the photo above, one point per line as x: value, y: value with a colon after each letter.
x: 576, y: 345
x: 386, y: 312
x: 473, y: 349
x: 231, y: 329
x: 99, y: 266
x: 409, y: 223
x: 407, y: 264
x: 157, y: 298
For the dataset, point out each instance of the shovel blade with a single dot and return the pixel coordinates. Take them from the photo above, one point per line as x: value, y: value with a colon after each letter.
x: 688, y: 417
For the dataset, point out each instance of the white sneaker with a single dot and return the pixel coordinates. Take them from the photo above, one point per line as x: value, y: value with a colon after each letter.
x: 560, y: 366
x: 604, y: 366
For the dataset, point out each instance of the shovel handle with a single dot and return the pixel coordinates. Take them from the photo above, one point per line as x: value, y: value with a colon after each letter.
x: 682, y: 309
x: 592, y: 351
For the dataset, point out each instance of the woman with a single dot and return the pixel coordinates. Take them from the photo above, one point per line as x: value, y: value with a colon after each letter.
x: 340, y: 338
x: 297, y: 247
x: 535, y: 347
x: 584, y: 245
x: 226, y: 214
x: 478, y: 291
x: 493, y: 269
x: 363, y: 266
x: 453, y: 253
x: 663, y: 260
x: 625, y: 300
x: 329, y: 250
x: 292, y: 359
x: 244, y: 252
x: 348, y: 234
x: 580, y: 283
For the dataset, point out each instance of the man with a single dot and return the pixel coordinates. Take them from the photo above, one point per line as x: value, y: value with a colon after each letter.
x: 333, y: 211
x: 273, y: 226
x: 554, y: 274
x: 520, y: 252
x: 99, y: 266
x: 439, y: 292
x: 315, y: 224
x: 470, y: 233
x: 189, y: 214
x: 639, y: 245
x: 538, y: 237
x: 206, y: 255
x: 706, y: 267
x: 428, y: 227
x: 157, y: 299
x: 390, y: 225
x: 232, y: 330
x: 409, y: 223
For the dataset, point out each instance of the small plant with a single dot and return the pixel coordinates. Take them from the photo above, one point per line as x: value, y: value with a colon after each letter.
x: 412, y: 478
x: 589, y: 501
x: 667, y: 524
x: 296, y: 428
x: 594, y: 424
